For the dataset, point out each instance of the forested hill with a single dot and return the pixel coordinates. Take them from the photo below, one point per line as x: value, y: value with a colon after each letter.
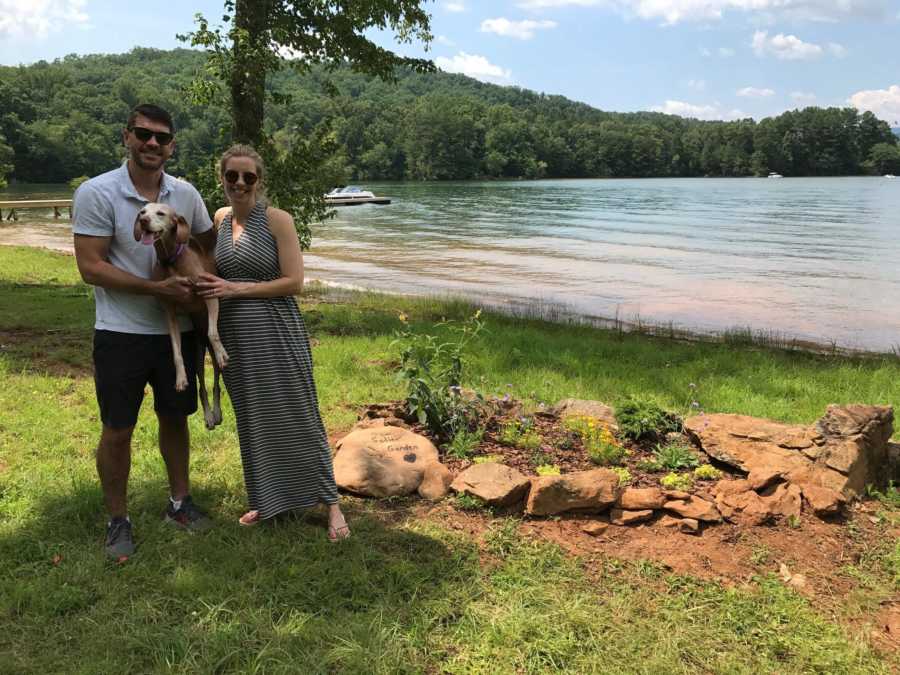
x: 63, y: 119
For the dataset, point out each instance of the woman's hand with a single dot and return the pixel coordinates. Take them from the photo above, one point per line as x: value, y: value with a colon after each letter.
x: 211, y: 286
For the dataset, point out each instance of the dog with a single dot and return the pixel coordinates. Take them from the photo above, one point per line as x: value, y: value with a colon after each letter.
x: 177, y: 253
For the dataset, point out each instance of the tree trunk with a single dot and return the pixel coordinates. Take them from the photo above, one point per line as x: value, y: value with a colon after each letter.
x: 248, y: 77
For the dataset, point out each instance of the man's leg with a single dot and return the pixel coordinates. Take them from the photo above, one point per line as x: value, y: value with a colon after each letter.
x: 174, y: 445
x: 113, y: 466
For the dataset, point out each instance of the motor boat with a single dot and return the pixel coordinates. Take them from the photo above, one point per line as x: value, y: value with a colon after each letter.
x: 773, y: 174
x: 889, y: 175
x: 352, y: 195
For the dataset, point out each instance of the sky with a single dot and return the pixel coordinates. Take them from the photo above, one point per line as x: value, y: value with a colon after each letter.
x: 710, y: 59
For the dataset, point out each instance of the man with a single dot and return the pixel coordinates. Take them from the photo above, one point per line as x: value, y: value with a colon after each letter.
x: 131, y: 343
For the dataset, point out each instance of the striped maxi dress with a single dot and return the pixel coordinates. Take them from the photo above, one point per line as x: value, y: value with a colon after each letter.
x: 284, y: 448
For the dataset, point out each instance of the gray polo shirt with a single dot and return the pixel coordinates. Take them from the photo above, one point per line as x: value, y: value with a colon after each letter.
x: 107, y: 206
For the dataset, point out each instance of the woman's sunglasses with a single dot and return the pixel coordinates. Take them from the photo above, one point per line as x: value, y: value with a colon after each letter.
x: 143, y: 135
x: 232, y: 176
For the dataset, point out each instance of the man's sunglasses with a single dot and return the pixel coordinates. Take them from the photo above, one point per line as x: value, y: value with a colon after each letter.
x: 143, y: 135
x: 232, y: 176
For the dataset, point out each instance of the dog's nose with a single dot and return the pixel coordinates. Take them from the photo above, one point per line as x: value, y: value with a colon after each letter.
x: 144, y: 221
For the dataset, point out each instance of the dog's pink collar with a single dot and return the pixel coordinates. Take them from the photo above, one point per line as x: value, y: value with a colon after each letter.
x: 174, y: 257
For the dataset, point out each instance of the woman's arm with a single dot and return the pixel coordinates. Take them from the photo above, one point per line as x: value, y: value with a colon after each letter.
x: 290, y: 261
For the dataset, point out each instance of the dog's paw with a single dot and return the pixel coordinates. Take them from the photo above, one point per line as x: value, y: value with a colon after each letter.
x: 210, y: 418
x: 217, y: 416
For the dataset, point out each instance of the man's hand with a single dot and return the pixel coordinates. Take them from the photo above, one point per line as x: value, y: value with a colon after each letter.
x: 175, y: 289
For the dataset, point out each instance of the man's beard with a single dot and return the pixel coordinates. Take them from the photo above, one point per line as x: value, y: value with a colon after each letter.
x: 142, y: 163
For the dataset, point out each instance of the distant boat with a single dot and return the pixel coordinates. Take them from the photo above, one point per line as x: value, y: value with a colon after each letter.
x: 772, y: 174
x: 353, y: 195
x: 889, y: 175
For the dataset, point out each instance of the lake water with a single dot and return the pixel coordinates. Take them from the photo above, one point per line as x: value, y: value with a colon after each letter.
x: 812, y: 258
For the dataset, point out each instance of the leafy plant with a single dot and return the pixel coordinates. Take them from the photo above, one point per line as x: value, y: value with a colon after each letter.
x: 488, y: 459
x: 467, y: 502
x: 674, y: 456
x: 639, y: 419
x: 650, y: 466
x: 432, y: 369
x: 520, y: 433
x: 889, y: 497
x: 677, y: 481
x: 601, y: 445
x: 547, y: 470
x: 707, y: 472
x: 624, y: 475
x: 464, y: 443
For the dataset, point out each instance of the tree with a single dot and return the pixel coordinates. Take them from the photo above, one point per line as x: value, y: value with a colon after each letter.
x: 885, y: 158
x: 262, y: 36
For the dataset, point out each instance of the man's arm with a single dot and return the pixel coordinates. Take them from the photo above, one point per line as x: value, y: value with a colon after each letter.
x: 92, y: 257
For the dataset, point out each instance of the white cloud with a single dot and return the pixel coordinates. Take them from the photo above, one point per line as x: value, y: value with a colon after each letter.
x: 754, y: 92
x: 803, y: 97
x: 884, y: 103
x: 840, y: 51
x: 475, y: 66
x: 697, y: 85
x: 455, y: 6
x: 675, y: 11
x: 784, y: 47
x: 522, y: 30
x: 444, y: 40
x: 700, y: 112
x: 39, y: 18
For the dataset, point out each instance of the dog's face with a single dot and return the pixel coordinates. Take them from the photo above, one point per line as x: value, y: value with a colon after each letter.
x: 156, y: 221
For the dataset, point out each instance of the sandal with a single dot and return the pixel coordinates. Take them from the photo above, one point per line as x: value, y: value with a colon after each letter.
x: 249, y: 519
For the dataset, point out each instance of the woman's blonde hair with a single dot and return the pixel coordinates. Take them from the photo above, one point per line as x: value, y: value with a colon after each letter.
x: 241, y: 150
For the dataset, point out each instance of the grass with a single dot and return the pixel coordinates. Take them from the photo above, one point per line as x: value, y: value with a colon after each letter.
x: 403, y: 595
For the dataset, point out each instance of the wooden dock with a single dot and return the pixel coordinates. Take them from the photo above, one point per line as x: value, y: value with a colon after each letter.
x: 55, y: 204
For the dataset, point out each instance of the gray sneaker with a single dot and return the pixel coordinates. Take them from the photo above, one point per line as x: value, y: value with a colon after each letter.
x: 188, y: 516
x: 119, y: 541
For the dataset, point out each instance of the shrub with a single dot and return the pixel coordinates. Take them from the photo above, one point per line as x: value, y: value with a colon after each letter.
x: 599, y: 442
x: 677, y: 481
x: 547, y: 470
x: 639, y: 420
x: 487, y: 459
x: 675, y: 456
x: 76, y: 182
x: 707, y: 472
x: 464, y: 443
x: 624, y: 475
x: 432, y: 369
x: 465, y: 502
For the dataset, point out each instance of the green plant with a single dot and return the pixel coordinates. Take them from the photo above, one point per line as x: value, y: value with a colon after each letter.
x: 432, y: 369
x: 520, y: 433
x: 889, y: 497
x: 464, y: 443
x: 677, y: 481
x: 650, y: 466
x: 547, y: 470
x: 599, y: 442
x: 639, y: 419
x: 624, y: 475
x: 487, y: 459
x: 674, y: 456
x: 467, y: 502
x: 760, y: 555
x: 707, y: 472
x: 75, y: 182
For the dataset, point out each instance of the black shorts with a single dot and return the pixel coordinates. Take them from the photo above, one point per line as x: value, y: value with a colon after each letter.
x: 124, y: 363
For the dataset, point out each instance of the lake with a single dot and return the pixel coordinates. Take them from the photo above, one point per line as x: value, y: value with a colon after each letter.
x: 812, y: 258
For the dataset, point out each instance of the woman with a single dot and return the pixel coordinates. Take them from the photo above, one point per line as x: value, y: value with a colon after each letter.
x: 284, y: 449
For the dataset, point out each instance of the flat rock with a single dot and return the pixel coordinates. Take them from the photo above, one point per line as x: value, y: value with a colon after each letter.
x: 694, y: 507
x: 686, y: 525
x: 383, y: 462
x: 637, y: 499
x: 493, y: 483
x: 581, y: 491
x: 595, y: 528
x: 570, y: 407
x: 824, y: 502
x: 843, y: 451
x: 623, y: 517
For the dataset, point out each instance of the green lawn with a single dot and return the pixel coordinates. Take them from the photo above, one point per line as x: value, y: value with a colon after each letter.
x: 404, y: 594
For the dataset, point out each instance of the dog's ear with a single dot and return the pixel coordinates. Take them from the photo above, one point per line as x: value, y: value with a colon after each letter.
x: 182, y: 230
x: 137, y: 227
